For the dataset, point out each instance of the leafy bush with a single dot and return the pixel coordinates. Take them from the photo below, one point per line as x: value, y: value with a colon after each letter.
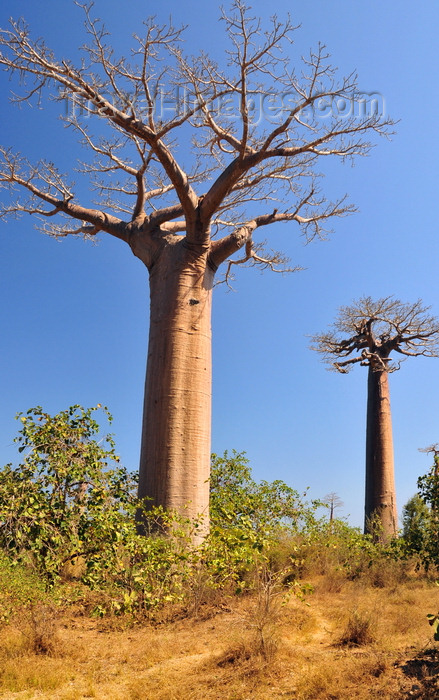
x: 68, y: 498
x: 20, y: 588
x: 70, y: 502
x: 338, y: 553
x: 428, y: 487
x: 153, y: 568
x: 239, y: 502
x: 433, y: 621
x: 248, y: 521
x: 416, y: 518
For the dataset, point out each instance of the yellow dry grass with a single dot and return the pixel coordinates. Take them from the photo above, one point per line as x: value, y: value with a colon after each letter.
x: 218, y: 657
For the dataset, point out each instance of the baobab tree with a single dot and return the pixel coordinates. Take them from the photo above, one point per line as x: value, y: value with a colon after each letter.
x: 333, y: 501
x: 368, y: 332
x: 187, y: 188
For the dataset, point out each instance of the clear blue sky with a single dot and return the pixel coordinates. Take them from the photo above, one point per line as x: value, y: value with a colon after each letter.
x: 74, y: 316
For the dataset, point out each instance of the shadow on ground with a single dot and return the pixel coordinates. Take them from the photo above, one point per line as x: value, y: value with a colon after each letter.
x: 424, y: 670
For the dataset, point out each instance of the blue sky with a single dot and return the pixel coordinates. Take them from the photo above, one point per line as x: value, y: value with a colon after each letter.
x: 75, y: 315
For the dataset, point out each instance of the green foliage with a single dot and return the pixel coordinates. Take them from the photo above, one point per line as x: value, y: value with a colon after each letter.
x: 68, y: 498
x: 339, y: 553
x: 428, y: 487
x: 333, y: 545
x: 70, y: 503
x: 149, y: 569
x: 416, y: 519
x: 264, y: 508
x: 247, y: 521
x: 20, y: 587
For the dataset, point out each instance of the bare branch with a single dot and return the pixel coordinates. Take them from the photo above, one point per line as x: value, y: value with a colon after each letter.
x: 257, y: 129
x: 34, y: 59
x: 43, y: 183
x: 271, y: 260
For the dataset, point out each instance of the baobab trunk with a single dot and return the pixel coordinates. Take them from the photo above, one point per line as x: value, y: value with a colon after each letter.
x: 380, y: 480
x: 175, y: 451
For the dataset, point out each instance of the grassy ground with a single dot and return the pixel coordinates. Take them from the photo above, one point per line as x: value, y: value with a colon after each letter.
x: 347, y: 640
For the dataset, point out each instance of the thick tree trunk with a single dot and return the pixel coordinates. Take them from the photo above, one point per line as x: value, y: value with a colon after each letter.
x: 175, y: 451
x: 380, y: 480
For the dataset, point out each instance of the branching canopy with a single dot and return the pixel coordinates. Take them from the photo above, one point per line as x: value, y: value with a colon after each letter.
x: 255, y: 130
x: 369, y: 331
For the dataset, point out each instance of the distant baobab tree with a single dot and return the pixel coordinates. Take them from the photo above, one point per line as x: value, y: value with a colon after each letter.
x: 368, y: 332
x: 333, y: 501
x: 185, y: 188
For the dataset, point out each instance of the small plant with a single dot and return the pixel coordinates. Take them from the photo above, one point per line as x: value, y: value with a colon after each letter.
x: 428, y: 489
x: 263, y: 619
x: 263, y: 615
x: 416, y: 516
x: 433, y: 621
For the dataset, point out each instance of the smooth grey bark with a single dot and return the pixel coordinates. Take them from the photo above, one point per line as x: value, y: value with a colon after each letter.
x: 176, y: 428
x: 380, y: 502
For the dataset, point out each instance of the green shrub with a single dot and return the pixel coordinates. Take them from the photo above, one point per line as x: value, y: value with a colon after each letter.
x: 428, y: 487
x: 266, y: 508
x: 70, y: 503
x: 249, y: 520
x: 20, y: 587
x: 69, y: 497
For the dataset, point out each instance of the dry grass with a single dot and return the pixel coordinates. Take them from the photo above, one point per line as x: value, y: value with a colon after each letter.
x: 38, y: 623
x: 359, y: 630
x: 222, y: 657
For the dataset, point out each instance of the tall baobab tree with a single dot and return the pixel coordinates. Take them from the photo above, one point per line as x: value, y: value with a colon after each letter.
x: 368, y: 332
x: 175, y: 186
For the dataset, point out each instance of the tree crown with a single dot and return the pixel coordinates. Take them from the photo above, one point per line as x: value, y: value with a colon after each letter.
x: 368, y: 331
x: 256, y: 127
